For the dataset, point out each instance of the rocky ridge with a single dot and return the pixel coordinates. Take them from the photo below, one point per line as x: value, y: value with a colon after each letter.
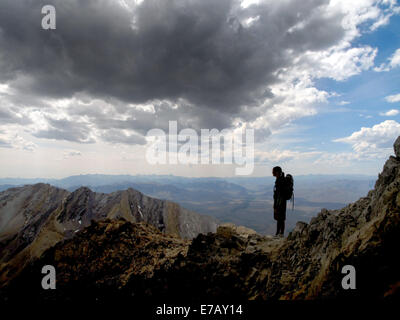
x: 34, y: 218
x: 118, y: 258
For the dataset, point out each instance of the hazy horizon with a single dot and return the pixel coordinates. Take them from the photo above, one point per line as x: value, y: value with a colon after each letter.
x: 194, y: 177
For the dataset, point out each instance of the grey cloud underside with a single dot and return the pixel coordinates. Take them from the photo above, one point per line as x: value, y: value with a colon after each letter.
x: 142, y: 120
x: 115, y: 136
x: 196, y: 51
x: 8, y: 116
x: 5, y: 144
x: 66, y: 130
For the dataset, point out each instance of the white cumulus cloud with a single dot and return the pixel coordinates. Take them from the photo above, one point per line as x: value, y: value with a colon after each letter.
x: 393, y: 98
x: 377, y: 139
x: 393, y: 62
x: 390, y: 113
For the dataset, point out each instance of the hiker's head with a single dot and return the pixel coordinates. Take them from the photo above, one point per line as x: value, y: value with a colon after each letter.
x: 277, y: 171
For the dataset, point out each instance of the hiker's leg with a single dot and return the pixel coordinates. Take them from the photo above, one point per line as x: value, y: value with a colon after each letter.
x: 282, y: 227
x: 279, y: 227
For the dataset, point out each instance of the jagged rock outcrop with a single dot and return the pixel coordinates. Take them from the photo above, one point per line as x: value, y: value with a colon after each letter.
x: 34, y: 218
x: 308, y: 264
x: 120, y: 259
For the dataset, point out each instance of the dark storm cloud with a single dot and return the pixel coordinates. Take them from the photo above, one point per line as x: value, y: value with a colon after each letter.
x: 198, y: 51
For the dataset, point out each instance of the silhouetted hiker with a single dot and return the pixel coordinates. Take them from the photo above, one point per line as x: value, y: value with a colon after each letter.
x: 279, y: 200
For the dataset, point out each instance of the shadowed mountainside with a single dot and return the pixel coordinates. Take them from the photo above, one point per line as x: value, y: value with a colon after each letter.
x: 34, y: 218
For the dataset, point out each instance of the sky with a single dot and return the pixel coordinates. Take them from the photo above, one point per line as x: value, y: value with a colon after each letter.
x: 317, y: 81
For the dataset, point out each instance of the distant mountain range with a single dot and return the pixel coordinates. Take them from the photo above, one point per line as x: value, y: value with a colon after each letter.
x: 104, y: 179
x: 243, y: 201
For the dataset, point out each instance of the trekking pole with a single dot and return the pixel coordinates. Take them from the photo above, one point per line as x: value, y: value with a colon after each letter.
x: 293, y: 202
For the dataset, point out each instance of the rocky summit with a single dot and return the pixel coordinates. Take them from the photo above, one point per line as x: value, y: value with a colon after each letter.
x: 121, y: 258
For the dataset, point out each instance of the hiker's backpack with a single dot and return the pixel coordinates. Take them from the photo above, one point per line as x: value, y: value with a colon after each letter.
x: 288, y: 187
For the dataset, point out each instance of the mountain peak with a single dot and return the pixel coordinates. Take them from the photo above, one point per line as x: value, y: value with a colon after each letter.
x: 34, y: 218
x: 82, y: 189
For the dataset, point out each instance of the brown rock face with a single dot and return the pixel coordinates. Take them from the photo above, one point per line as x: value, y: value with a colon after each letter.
x: 101, y: 258
x: 112, y: 250
x: 122, y: 259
